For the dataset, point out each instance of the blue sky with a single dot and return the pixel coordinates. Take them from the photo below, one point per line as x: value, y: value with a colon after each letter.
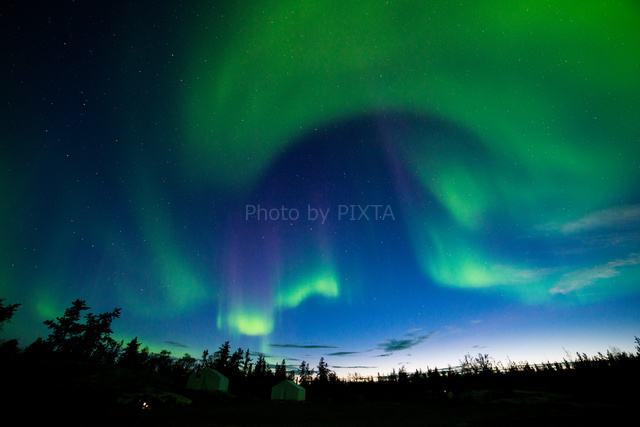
x: 375, y: 183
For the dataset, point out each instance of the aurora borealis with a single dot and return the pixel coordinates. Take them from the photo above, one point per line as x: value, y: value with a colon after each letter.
x: 377, y: 183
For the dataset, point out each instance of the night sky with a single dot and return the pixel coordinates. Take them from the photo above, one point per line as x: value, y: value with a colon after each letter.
x: 378, y: 183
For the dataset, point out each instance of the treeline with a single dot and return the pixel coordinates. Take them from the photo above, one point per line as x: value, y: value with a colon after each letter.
x: 615, y: 373
x: 86, y: 339
x: 80, y: 336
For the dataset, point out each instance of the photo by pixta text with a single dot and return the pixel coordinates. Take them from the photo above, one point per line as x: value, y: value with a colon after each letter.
x: 342, y: 213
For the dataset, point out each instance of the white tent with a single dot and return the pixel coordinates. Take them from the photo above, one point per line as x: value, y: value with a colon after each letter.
x: 287, y: 390
x: 209, y: 380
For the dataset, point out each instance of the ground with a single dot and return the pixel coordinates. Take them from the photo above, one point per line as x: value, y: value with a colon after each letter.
x: 86, y: 395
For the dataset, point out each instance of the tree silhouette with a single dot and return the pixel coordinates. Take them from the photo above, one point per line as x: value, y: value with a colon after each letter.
x: 305, y: 373
x: 221, y: 358
x: 132, y: 357
x: 262, y: 369
x: 475, y: 365
x: 7, y: 348
x: 161, y: 363
x: 66, y: 330
x: 281, y: 371
x: 247, y: 365
x: 6, y: 311
x: 89, y: 340
x: 204, y: 360
x: 393, y: 377
x: 323, y: 371
x: 96, y: 342
x: 187, y: 364
x: 403, y: 377
x: 234, y: 368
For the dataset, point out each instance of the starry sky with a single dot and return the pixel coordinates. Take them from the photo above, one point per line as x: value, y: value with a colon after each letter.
x: 378, y: 183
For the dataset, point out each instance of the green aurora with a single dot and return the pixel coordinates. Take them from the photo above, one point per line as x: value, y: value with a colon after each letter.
x: 132, y: 142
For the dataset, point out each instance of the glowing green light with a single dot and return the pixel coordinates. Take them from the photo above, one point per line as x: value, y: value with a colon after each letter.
x: 179, y: 287
x: 529, y: 81
x: 546, y: 93
x: 46, y: 306
x: 250, y: 322
x: 325, y: 286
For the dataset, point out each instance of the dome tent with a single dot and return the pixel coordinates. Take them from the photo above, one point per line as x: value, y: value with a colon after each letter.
x: 287, y: 390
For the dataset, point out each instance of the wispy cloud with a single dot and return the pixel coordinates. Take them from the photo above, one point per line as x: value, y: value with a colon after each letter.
x: 579, y: 279
x: 344, y: 353
x: 391, y: 345
x: 593, y: 241
x: 616, y: 217
x: 176, y: 344
x: 307, y: 346
x: 478, y: 346
x: 395, y: 345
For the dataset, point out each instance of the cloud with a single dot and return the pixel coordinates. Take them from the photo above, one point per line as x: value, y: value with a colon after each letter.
x: 344, y: 353
x: 307, y: 346
x: 586, y: 277
x: 391, y: 345
x: 598, y: 241
x: 176, y: 344
x: 450, y: 329
x: 617, y: 217
x: 395, y: 345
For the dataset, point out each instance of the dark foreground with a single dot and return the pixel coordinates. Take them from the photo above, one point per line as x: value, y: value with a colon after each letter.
x: 86, y: 395
x: 476, y: 408
x: 536, y: 411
